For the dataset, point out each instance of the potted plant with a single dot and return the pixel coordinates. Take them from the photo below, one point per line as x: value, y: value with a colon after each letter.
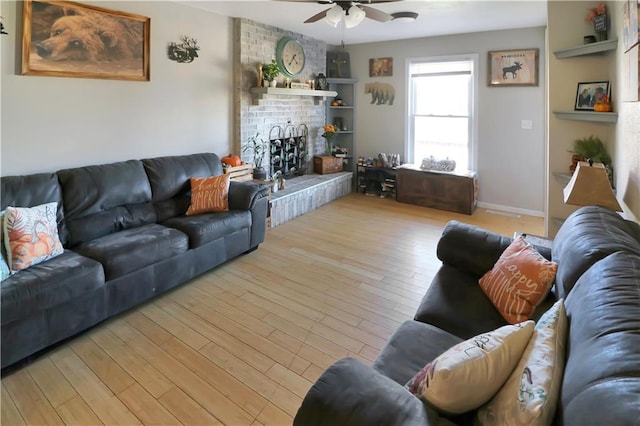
x: 258, y: 147
x: 591, y: 148
x: 270, y: 72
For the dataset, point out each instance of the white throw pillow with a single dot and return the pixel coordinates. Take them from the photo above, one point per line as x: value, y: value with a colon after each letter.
x: 470, y: 373
x: 530, y: 395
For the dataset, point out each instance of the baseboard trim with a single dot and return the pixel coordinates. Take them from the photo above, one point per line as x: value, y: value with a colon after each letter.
x: 510, y: 209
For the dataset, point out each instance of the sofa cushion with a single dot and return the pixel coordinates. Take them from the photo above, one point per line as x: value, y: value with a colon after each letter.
x: 604, y: 315
x: 133, y: 249
x: 209, y: 195
x: 34, y: 190
x: 519, y: 281
x: 169, y: 180
x: 470, y: 373
x: 100, y: 200
x: 48, y: 284
x: 410, y: 347
x: 31, y: 235
x: 455, y: 303
x: 207, y: 227
x: 588, y: 235
x: 530, y: 394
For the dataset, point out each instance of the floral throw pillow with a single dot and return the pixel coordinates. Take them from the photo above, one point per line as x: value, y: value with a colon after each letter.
x: 209, y: 194
x: 519, y: 281
x: 31, y: 235
x: 470, y: 373
x: 530, y: 395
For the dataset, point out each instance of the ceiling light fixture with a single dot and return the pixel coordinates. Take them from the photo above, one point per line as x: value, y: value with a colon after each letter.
x: 404, y: 16
x: 352, y: 16
x: 333, y: 16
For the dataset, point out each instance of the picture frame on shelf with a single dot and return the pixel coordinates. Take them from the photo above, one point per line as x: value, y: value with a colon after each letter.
x: 59, y: 38
x: 588, y: 93
x: 517, y: 67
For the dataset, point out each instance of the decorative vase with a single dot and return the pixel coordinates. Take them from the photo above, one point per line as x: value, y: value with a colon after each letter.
x: 259, y: 173
x: 600, y: 27
x: 273, y: 83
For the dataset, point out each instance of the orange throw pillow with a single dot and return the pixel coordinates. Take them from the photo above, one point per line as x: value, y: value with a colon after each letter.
x: 519, y: 281
x: 209, y: 194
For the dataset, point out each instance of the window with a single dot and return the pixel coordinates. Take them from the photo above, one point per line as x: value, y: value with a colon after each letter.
x: 441, y: 107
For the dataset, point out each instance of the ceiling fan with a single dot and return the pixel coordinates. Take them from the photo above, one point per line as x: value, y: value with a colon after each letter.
x: 354, y: 12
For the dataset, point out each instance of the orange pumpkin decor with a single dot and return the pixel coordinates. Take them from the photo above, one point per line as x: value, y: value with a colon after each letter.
x: 231, y: 160
x: 603, y: 106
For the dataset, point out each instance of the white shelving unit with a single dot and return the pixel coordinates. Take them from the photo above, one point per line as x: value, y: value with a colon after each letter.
x: 345, y: 88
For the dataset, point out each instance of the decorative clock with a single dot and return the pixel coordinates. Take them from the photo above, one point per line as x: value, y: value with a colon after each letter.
x: 290, y: 56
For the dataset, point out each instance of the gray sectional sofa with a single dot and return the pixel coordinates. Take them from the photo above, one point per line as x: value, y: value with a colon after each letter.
x: 598, y: 256
x: 126, y: 239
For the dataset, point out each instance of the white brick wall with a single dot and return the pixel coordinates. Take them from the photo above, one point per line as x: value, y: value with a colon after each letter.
x: 255, y: 43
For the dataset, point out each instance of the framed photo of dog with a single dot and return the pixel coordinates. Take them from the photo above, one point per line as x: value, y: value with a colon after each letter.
x: 513, y: 67
x: 68, y: 39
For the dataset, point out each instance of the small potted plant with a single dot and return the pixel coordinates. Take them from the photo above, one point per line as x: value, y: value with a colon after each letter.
x: 258, y: 147
x: 270, y: 72
x: 591, y: 148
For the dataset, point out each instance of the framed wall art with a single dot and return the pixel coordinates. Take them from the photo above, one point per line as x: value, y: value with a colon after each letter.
x: 630, y: 24
x: 68, y: 39
x: 513, y: 67
x: 381, y: 67
x: 589, y: 93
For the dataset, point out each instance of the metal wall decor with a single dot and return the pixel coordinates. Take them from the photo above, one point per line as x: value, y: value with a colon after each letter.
x: 184, y: 51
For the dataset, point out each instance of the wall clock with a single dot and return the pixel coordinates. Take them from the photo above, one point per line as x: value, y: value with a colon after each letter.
x: 290, y: 56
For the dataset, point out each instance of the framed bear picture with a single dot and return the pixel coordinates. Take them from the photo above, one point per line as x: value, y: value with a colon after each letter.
x: 68, y: 39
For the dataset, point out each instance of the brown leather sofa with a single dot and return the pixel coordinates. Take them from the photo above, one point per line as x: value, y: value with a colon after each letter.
x: 598, y: 256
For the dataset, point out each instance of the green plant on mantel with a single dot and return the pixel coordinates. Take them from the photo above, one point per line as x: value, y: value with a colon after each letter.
x: 592, y: 148
x: 270, y: 71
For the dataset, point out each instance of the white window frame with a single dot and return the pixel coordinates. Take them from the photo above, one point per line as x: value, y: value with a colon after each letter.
x: 473, y: 97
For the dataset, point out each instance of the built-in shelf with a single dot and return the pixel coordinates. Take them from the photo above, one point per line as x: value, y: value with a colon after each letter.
x: 601, y: 117
x: 259, y: 92
x: 341, y: 107
x: 345, y: 131
x: 587, y: 49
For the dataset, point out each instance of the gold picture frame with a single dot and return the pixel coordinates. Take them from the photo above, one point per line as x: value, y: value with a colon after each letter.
x: 68, y: 39
x: 513, y: 67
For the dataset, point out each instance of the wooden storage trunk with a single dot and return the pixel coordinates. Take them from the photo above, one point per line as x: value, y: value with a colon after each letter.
x: 324, y: 164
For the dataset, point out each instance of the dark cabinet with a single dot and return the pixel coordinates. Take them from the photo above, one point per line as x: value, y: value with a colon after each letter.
x: 456, y: 192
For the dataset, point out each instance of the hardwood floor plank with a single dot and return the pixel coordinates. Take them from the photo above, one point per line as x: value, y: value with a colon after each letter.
x: 51, y: 382
x: 77, y: 412
x: 144, y: 373
x: 242, y: 344
x: 216, y: 376
x: 9, y: 413
x: 96, y: 394
x: 186, y: 409
x: 102, y: 365
x: 206, y: 395
x: 145, y: 407
x: 174, y: 326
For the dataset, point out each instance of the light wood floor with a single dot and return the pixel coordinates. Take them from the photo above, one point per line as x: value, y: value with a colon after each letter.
x: 242, y: 344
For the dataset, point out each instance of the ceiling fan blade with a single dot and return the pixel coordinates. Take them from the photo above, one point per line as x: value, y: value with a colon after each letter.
x: 317, y: 17
x: 375, y: 14
x: 361, y: 2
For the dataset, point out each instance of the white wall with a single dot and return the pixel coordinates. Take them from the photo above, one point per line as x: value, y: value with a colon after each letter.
x: 510, y: 160
x: 50, y: 123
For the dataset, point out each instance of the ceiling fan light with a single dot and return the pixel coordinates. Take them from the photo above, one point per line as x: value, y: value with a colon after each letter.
x: 354, y: 16
x: 404, y: 16
x: 334, y: 15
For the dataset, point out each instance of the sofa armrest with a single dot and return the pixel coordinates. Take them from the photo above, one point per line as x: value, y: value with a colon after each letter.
x: 470, y: 248
x: 352, y: 393
x: 243, y: 195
